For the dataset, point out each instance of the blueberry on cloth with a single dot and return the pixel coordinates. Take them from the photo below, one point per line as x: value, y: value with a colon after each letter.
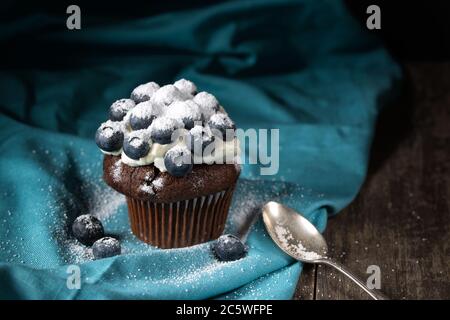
x: 164, y: 130
x: 119, y: 109
x: 208, y: 104
x: 106, y: 247
x: 168, y: 94
x: 198, y: 139
x: 87, y: 229
x: 109, y: 136
x: 187, y: 112
x: 229, y: 248
x: 142, y: 116
x: 186, y: 86
x: 221, y: 125
x: 144, y: 92
x: 178, y: 161
x: 136, y: 144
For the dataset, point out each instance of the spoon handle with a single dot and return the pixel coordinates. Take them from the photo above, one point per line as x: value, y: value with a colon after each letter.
x: 374, y: 294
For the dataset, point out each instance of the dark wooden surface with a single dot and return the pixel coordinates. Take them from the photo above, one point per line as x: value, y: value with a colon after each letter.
x: 400, y: 220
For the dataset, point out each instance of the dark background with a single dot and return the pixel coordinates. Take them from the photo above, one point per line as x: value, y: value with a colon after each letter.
x: 412, y: 30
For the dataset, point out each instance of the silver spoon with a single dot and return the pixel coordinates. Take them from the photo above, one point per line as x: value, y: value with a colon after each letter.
x: 300, y: 239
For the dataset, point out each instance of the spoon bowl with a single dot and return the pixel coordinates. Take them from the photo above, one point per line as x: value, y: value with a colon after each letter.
x: 300, y: 239
x: 293, y: 233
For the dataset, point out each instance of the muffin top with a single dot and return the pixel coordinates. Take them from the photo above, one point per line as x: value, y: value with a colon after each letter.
x: 169, y: 132
x: 173, y: 127
x: 149, y: 184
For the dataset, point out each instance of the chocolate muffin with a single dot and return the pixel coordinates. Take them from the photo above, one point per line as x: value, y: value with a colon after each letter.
x: 173, y: 153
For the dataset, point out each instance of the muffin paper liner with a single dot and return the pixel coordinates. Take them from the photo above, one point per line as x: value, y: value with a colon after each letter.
x: 182, y: 223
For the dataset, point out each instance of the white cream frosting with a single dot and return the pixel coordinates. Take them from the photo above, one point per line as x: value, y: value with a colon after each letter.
x: 156, y: 151
x: 224, y: 152
x: 112, y: 153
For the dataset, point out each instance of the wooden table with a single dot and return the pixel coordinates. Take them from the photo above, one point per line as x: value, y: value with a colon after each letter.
x: 400, y: 220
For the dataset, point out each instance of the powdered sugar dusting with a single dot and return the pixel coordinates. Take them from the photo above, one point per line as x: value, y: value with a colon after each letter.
x: 194, y: 275
x: 167, y: 94
x: 186, y: 86
x: 145, y: 110
x: 165, y: 124
x: 197, y: 131
x: 158, y: 183
x: 117, y: 171
x: 144, y: 91
x: 122, y: 105
x: 181, y: 110
x: 107, y: 132
x: 108, y: 128
x: 91, y: 226
x: 206, y: 100
x: 105, y: 203
x: 179, y: 155
x: 221, y: 120
x: 136, y: 138
x: 296, y: 247
x: 79, y: 253
x: 208, y: 104
x: 109, y: 241
x: 108, y: 205
x: 135, y: 142
x: 147, y: 188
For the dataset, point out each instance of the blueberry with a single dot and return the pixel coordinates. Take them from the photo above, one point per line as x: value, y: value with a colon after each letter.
x: 186, y: 86
x: 142, y: 116
x: 106, y: 247
x: 187, y: 112
x: 109, y: 136
x: 119, y: 109
x: 178, y: 161
x: 208, y: 104
x: 87, y: 229
x: 137, y: 123
x: 222, y: 126
x: 168, y: 94
x: 198, y: 139
x: 144, y: 92
x: 136, y: 144
x: 163, y: 129
x: 229, y: 248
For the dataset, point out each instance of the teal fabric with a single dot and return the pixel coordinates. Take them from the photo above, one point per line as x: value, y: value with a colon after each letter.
x: 305, y: 67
